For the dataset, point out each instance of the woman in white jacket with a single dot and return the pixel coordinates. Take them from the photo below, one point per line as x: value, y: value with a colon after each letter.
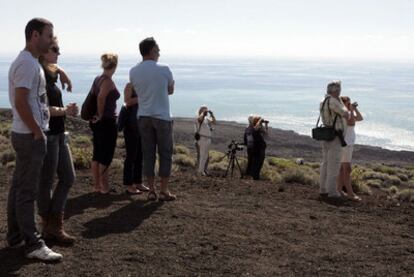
x: 203, y: 128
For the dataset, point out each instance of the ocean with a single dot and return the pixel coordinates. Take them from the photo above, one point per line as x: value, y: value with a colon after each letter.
x: 287, y: 93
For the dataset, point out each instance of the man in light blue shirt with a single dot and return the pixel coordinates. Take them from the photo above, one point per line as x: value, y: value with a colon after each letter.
x: 153, y: 84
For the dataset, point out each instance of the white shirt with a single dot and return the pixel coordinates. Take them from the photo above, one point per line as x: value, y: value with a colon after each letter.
x: 26, y: 72
x: 350, y: 136
x: 204, y: 129
x: 151, y: 80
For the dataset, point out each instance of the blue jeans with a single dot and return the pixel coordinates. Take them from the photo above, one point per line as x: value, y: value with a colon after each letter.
x: 58, y: 161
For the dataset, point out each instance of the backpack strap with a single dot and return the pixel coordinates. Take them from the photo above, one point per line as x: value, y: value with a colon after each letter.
x: 330, y: 112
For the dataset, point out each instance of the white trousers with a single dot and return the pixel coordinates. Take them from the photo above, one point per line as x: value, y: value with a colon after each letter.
x: 203, y: 147
x: 331, y: 163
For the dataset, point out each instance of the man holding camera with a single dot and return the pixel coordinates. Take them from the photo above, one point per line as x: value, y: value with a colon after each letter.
x: 256, y: 145
x: 203, y: 136
x: 333, y: 113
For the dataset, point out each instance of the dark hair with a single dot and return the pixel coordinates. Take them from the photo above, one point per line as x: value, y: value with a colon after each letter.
x: 146, y: 46
x: 36, y: 24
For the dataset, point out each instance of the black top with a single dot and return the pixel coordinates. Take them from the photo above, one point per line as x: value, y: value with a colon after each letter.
x: 54, y: 96
x: 254, y: 138
x: 132, y: 112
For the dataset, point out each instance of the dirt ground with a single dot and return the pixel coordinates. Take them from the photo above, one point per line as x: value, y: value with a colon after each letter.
x: 219, y: 227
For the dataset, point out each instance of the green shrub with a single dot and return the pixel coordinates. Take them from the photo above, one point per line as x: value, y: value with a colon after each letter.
x: 117, y: 166
x: 82, y: 140
x: 297, y: 175
x: 181, y: 149
x: 393, y: 180
x: 405, y: 195
x: 393, y: 190
x: 5, y: 129
x: 7, y: 156
x: 358, y: 182
x: 218, y: 166
x: 184, y: 160
x: 402, y: 177
x: 375, y: 183
x: 271, y: 175
x: 385, y: 169
x: 281, y: 163
x: 120, y: 143
x: 216, y: 156
x: 82, y: 157
x: 369, y: 174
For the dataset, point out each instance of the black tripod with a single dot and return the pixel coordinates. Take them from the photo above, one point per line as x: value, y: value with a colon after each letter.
x: 231, y: 155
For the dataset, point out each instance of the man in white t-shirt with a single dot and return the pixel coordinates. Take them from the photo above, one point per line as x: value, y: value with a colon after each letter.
x: 154, y: 83
x: 27, y: 94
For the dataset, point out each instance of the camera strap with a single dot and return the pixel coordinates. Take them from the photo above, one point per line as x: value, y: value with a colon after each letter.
x: 200, y: 123
x: 329, y: 109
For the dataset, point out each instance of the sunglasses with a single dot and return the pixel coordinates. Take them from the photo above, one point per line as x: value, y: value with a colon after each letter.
x: 55, y: 49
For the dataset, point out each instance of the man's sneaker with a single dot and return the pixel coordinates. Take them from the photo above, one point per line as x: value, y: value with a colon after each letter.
x: 45, y: 254
x: 16, y: 245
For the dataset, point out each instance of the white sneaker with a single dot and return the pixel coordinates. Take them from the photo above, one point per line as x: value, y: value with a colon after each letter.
x: 44, y: 254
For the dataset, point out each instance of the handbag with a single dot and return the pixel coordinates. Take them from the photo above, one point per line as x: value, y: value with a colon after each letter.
x: 197, y: 135
x: 122, y: 118
x: 90, y: 106
x: 322, y: 132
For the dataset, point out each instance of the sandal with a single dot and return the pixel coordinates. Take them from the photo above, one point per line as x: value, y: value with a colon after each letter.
x: 167, y: 196
x: 142, y: 187
x: 127, y: 192
x: 152, y: 196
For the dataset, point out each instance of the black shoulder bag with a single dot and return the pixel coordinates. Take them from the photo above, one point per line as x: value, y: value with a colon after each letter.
x: 197, y: 133
x: 322, y: 132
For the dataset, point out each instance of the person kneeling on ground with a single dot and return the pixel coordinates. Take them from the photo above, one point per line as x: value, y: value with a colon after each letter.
x: 203, y: 136
x: 256, y: 145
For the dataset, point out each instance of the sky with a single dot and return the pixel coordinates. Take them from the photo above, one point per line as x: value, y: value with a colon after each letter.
x: 299, y: 29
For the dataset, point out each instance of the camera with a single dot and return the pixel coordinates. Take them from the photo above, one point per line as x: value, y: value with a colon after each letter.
x: 355, y: 104
x: 341, y: 137
x: 235, y: 146
x: 265, y: 121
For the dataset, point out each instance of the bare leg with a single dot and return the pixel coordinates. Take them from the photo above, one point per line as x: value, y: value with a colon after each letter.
x: 340, y: 179
x: 151, y: 183
x: 164, y: 184
x: 95, y: 176
x: 103, y: 178
x: 347, y: 181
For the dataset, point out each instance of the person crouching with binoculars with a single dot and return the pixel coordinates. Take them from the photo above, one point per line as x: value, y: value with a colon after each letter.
x: 203, y: 133
x: 256, y: 145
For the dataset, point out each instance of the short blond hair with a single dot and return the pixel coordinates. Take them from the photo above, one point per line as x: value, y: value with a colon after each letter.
x: 109, y: 61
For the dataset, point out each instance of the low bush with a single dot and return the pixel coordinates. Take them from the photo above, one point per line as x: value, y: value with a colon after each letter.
x: 181, y: 149
x: 7, y: 156
x: 385, y: 169
x: 183, y: 160
x: 82, y: 157
x: 82, y: 140
x: 405, y: 195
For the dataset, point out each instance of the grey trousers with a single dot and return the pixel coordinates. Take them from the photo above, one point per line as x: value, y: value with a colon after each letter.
x: 58, y: 161
x: 156, y: 133
x: 331, y: 163
x: 23, y: 191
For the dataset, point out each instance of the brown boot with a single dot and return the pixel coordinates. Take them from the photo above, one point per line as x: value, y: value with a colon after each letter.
x: 54, y: 230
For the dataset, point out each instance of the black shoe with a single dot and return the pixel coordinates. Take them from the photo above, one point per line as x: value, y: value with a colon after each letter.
x: 335, y: 200
x: 323, y: 196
